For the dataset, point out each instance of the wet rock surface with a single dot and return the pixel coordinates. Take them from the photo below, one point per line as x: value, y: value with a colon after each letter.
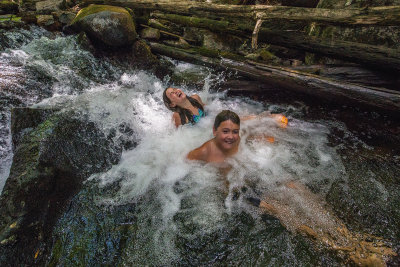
x: 49, y: 166
x: 107, y: 26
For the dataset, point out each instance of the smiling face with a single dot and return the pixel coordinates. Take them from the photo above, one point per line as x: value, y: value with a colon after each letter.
x: 227, y: 135
x: 175, y: 96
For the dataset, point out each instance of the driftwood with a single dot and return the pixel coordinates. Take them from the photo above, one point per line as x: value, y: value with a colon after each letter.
x: 370, y: 55
x: 284, y: 78
x: 176, y: 36
x: 385, y: 15
x: 241, y: 21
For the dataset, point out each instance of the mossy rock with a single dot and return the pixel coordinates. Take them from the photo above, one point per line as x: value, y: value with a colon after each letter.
x: 7, y: 7
x: 150, y: 34
x: 106, y: 26
x: 145, y: 59
x: 49, y: 165
x: 92, y: 235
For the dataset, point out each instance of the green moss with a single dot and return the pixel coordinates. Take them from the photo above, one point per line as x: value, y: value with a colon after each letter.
x: 232, y: 56
x: 92, y: 9
x: 267, y: 55
x: 207, y: 52
x: 10, y: 18
x: 8, y: 5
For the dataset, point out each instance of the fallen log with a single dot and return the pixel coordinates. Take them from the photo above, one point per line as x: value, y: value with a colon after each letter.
x: 370, y: 55
x: 383, y: 99
x: 384, y: 16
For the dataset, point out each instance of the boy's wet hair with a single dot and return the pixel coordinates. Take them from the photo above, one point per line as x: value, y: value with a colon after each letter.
x: 224, y: 116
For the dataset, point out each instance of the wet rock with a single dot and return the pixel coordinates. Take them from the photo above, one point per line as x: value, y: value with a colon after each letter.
x: 107, y: 26
x: 48, y: 6
x: 24, y: 120
x: 48, y: 22
x: 64, y: 17
x: 84, y: 42
x: 150, y: 34
x: 144, y: 58
x: 8, y: 22
x: 88, y: 228
x: 219, y: 42
x: 28, y: 17
x: 27, y: 5
x: 8, y: 7
x: 143, y: 54
x: 50, y: 163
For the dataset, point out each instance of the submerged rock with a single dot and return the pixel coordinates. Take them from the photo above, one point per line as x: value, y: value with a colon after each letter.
x: 50, y: 163
x: 24, y: 120
x: 106, y: 26
x: 90, y: 234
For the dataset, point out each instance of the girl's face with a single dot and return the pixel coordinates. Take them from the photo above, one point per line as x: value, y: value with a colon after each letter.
x: 175, y: 95
x: 227, y: 135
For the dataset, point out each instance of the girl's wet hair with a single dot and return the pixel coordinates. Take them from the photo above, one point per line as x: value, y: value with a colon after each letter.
x: 184, y: 114
x: 224, y: 116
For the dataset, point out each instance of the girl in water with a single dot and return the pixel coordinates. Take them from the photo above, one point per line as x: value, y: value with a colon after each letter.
x: 186, y: 108
x: 191, y: 108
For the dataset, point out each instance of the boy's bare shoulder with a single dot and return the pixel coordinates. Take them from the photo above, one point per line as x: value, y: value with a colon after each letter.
x: 200, y: 153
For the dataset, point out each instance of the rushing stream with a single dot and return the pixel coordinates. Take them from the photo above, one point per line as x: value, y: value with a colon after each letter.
x: 155, y: 208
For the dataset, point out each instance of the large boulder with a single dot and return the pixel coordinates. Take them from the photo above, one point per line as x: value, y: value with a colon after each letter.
x: 106, y: 26
x: 50, y: 163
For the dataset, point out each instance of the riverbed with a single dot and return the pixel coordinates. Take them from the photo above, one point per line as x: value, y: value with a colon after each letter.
x: 156, y: 208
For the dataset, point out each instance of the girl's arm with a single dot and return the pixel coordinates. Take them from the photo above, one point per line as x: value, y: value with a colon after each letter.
x: 177, y: 119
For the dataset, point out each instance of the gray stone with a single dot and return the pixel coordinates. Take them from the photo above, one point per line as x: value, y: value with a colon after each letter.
x: 64, y: 17
x: 150, y: 34
x: 48, y: 6
x: 45, y: 20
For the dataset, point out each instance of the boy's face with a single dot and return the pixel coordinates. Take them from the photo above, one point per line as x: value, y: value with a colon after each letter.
x: 227, y: 135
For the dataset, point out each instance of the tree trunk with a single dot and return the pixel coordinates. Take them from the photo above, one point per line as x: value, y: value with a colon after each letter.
x: 382, y: 99
x: 385, y: 15
x: 373, y: 56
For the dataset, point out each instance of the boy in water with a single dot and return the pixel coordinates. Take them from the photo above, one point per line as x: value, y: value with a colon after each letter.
x: 329, y: 230
x: 225, y: 142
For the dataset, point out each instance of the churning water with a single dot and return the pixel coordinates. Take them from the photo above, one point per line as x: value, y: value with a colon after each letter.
x: 187, y: 213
